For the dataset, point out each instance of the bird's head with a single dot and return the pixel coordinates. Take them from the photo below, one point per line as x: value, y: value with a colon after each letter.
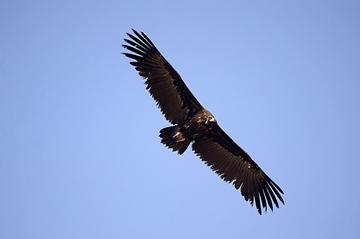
x: 210, y: 119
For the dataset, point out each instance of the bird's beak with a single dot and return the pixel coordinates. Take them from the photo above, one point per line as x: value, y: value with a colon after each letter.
x: 209, y: 120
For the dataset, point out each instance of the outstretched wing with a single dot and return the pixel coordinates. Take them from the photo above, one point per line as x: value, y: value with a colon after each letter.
x: 173, y: 97
x: 235, y: 166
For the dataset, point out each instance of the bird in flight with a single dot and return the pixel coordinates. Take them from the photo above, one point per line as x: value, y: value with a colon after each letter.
x: 193, y: 124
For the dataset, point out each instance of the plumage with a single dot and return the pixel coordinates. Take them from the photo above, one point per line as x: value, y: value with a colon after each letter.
x: 193, y: 124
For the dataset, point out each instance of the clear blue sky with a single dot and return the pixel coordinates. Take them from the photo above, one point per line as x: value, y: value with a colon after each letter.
x: 79, y: 150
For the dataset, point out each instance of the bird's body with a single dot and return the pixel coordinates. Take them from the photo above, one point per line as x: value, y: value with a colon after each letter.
x: 200, y: 124
x: 179, y: 137
x: 193, y: 124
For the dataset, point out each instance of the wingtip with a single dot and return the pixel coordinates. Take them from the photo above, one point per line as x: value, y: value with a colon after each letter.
x: 282, y: 200
x: 134, y: 31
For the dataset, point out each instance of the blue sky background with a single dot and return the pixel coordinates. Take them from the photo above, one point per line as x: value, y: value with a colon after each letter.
x: 79, y: 150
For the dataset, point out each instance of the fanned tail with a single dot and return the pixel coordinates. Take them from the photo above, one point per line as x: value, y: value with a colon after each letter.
x: 173, y: 138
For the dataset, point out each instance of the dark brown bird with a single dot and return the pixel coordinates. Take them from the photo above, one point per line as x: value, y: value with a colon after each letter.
x: 192, y: 123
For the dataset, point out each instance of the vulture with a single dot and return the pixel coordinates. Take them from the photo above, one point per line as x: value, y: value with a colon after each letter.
x: 193, y: 124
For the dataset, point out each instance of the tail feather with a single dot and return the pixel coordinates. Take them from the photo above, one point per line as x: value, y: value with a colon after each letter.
x: 173, y: 138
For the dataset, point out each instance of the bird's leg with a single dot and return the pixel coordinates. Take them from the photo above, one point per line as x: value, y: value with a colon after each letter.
x: 179, y: 137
